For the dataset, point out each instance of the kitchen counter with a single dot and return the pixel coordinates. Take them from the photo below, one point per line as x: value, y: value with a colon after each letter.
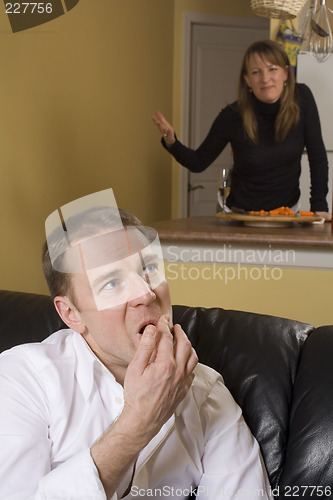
x: 214, y: 230
x: 202, y: 239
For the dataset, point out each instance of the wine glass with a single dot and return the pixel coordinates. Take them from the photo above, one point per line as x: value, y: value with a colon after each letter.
x: 223, y: 186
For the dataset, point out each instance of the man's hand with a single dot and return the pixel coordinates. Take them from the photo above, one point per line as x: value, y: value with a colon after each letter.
x: 158, y: 378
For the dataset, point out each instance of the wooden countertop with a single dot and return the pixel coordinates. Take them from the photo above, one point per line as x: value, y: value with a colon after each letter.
x: 206, y: 229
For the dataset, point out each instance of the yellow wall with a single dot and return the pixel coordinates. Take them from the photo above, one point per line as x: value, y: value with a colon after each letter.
x: 77, y: 95
x: 300, y: 294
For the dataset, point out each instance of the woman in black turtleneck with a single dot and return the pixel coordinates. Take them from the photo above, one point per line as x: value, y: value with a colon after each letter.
x: 268, y: 127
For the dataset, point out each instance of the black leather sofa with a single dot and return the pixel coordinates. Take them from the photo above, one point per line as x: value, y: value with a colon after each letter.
x: 279, y: 371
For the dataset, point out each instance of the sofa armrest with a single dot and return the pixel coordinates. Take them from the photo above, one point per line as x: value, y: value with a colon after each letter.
x: 309, y: 454
x: 258, y: 357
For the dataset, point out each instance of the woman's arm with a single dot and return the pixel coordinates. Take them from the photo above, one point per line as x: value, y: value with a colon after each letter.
x: 316, y: 151
x: 197, y: 160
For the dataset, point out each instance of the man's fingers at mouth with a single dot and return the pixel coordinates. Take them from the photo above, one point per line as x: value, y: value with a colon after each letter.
x: 184, y: 352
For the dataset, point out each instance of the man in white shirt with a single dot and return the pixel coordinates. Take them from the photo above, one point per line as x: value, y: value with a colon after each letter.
x: 116, y: 406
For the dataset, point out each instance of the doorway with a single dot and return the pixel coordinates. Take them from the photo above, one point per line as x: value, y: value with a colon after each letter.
x: 213, y: 51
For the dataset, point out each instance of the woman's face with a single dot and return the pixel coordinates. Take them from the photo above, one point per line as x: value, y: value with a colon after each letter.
x: 265, y: 78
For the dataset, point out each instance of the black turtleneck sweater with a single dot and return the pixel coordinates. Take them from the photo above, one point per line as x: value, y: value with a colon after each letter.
x: 265, y: 176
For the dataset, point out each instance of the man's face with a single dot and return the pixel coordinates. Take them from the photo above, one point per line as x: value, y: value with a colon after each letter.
x: 118, y: 299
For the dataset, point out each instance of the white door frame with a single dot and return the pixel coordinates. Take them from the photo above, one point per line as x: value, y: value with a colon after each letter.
x: 190, y: 18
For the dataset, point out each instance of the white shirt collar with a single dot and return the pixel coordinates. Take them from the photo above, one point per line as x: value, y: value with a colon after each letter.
x: 86, y: 365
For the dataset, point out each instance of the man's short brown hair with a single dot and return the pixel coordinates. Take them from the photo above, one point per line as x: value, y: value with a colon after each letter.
x: 83, y: 225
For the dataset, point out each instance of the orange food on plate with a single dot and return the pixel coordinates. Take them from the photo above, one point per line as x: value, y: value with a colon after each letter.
x: 286, y: 211
x: 261, y: 213
x: 282, y: 211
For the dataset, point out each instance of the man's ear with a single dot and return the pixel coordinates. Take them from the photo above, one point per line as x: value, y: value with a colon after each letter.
x: 69, y: 314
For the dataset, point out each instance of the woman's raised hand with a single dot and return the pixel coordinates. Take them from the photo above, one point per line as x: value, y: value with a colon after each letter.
x: 165, y: 128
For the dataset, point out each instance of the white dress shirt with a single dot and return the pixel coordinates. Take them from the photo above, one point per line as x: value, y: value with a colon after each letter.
x: 57, y: 398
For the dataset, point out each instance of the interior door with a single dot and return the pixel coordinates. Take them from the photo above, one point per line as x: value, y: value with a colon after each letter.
x: 216, y: 56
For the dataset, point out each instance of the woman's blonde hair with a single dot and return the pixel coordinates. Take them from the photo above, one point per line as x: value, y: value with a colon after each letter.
x: 288, y: 115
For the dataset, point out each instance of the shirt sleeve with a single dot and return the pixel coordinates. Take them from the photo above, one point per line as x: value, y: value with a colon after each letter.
x: 232, y: 463
x: 25, y: 447
x: 315, y: 150
x: 197, y: 160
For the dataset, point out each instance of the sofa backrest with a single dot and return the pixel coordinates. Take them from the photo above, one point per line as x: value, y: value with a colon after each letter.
x: 26, y: 317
